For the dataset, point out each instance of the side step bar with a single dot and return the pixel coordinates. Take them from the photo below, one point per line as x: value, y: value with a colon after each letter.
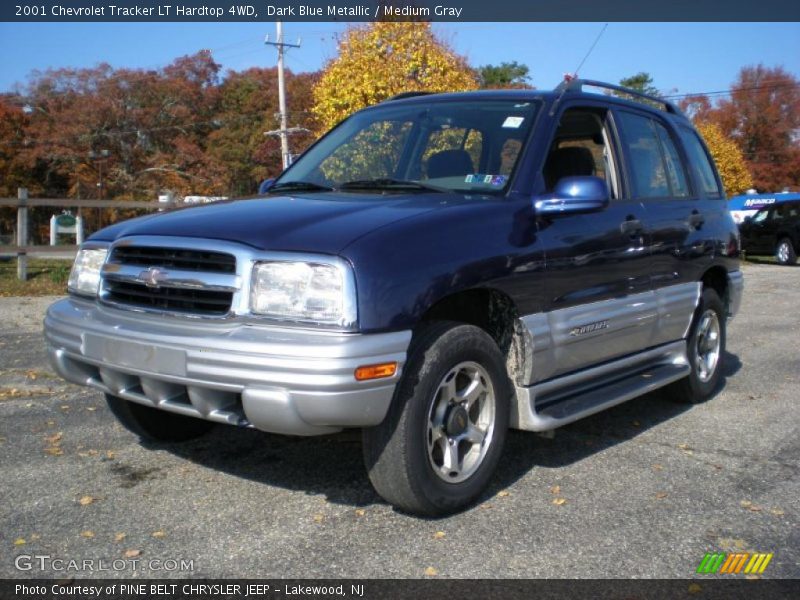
x: 566, y: 399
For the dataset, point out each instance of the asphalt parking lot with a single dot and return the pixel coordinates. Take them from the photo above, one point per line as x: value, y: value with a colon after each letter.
x: 643, y: 490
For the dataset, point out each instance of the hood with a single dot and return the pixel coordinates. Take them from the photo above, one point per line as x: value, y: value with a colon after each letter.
x: 324, y: 223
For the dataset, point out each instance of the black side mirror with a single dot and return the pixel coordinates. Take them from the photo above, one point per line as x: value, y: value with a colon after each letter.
x: 748, y: 219
x: 573, y: 195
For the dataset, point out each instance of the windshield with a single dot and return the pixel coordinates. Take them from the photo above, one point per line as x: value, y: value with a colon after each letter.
x: 457, y: 145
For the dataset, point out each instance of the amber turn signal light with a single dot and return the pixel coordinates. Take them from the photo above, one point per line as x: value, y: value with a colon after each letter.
x: 376, y: 371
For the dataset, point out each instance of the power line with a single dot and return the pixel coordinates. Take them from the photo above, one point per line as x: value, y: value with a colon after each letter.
x: 734, y: 90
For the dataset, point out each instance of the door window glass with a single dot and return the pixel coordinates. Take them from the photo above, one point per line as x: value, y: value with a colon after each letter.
x: 676, y: 175
x: 646, y: 162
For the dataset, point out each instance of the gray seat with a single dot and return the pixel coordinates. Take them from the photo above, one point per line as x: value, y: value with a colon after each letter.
x: 449, y: 163
x: 571, y: 161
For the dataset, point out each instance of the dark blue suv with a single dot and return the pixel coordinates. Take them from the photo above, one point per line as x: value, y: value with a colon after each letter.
x: 433, y: 271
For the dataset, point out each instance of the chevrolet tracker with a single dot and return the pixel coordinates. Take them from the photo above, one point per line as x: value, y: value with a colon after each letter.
x: 433, y: 271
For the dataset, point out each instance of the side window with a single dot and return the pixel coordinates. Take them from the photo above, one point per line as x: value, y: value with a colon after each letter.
x: 647, y: 164
x: 760, y: 216
x: 698, y: 157
x: 675, y: 172
x: 794, y: 210
x: 581, y: 147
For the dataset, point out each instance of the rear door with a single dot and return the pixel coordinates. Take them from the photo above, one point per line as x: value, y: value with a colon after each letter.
x: 681, y: 246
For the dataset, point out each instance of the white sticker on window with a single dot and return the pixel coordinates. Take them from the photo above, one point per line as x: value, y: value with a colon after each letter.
x: 513, y: 122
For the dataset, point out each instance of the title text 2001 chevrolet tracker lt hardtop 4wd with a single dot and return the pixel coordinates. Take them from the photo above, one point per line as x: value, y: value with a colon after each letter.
x: 436, y: 269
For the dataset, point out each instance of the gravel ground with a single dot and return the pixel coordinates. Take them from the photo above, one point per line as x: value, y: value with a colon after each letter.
x: 648, y: 487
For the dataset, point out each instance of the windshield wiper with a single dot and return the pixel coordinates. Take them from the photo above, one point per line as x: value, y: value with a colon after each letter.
x: 387, y: 183
x: 305, y: 186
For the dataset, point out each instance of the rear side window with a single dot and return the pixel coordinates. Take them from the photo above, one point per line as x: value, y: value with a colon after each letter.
x: 646, y: 160
x: 699, y: 157
x: 675, y: 173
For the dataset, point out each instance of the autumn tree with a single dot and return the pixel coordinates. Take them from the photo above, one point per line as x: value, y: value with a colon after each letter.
x: 248, y: 107
x: 763, y: 116
x: 728, y: 157
x: 506, y: 75
x: 379, y: 60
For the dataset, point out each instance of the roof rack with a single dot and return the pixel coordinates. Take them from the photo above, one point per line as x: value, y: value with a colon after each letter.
x: 576, y: 85
x: 404, y: 95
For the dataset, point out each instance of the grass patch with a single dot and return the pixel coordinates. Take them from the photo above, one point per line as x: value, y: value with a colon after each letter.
x: 46, y: 277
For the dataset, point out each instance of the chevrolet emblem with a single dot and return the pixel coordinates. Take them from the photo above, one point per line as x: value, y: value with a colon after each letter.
x: 152, y: 277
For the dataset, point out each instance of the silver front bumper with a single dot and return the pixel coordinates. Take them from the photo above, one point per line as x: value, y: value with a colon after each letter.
x: 277, y: 379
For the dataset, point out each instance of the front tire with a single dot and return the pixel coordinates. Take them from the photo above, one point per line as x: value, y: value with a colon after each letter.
x: 784, y: 252
x: 440, y: 442
x: 705, y: 349
x: 152, y: 424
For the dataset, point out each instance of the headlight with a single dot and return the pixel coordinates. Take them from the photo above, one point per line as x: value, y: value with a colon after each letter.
x: 85, y: 275
x: 317, y: 293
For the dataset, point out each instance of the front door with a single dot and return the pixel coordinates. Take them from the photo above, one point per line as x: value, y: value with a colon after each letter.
x: 599, y: 302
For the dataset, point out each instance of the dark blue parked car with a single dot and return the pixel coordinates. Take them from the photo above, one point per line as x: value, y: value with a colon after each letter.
x: 435, y: 270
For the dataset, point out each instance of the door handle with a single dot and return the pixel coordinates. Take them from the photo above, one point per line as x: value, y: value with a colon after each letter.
x: 632, y: 226
x: 696, y: 220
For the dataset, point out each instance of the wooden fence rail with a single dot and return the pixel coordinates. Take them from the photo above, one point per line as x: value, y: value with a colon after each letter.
x: 22, y: 203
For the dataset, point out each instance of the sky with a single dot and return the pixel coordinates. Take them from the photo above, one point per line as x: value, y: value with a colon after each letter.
x: 681, y: 57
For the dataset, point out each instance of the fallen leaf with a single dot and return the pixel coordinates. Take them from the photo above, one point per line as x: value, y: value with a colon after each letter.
x: 65, y: 407
x: 55, y: 438
x: 486, y: 505
x: 53, y: 451
x: 555, y: 490
x: 683, y: 446
x: 777, y: 512
x: 118, y: 537
x: 110, y: 455
x: 439, y: 535
x: 19, y: 541
x: 559, y: 501
x: 360, y: 512
x: 159, y: 534
x: 87, y: 534
x: 695, y: 588
x: 318, y: 518
x: 657, y: 467
x: 637, y: 424
x: 745, y: 504
x: 86, y: 500
x: 732, y: 544
x: 661, y: 495
x: 91, y: 408
x: 431, y: 572
x: 717, y: 467
x: 752, y: 576
x: 132, y: 553
x: 754, y: 508
x: 35, y: 536
x: 503, y: 494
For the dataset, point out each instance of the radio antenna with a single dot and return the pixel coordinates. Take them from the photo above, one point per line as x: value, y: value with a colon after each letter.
x: 597, y: 39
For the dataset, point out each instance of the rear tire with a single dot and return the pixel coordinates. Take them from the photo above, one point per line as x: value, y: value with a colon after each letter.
x: 438, y: 447
x: 156, y: 425
x: 705, y: 349
x: 784, y: 252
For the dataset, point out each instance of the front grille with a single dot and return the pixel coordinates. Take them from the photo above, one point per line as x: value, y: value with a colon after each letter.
x: 197, y: 301
x: 128, y: 285
x: 175, y: 258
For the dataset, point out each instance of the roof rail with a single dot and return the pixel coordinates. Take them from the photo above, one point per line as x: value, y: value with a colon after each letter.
x: 404, y: 95
x: 576, y: 85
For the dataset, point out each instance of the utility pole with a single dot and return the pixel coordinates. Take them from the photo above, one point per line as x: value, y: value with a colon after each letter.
x: 283, y: 132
